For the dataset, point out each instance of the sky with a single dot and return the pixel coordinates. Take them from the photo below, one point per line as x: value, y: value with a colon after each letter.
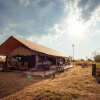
x: 56, y: 24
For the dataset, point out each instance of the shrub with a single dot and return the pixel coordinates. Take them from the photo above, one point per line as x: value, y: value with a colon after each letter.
x: 97, y: 58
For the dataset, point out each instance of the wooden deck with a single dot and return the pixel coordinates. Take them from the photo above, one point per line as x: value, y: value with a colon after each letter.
x: 41, y: 73
x: 45, y: 73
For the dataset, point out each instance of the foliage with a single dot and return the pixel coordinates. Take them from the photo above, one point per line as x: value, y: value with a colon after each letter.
x: 97, y: 58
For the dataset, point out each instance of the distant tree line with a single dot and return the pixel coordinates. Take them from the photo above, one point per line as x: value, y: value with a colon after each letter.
x: 97, y: 58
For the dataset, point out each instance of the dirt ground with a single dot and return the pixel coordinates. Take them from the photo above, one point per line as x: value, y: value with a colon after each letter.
x: 74, y: 84
x: 11, y: 82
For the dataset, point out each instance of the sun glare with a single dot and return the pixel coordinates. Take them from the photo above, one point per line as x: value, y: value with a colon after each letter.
x: 75, y: 27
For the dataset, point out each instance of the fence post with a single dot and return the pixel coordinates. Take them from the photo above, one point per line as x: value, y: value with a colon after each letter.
x: 93, y: 69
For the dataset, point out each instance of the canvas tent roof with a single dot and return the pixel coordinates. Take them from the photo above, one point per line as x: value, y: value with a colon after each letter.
x: 13, y: 42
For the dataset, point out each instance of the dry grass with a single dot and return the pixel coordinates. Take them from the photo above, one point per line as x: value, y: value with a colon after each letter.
x: 75, y: 84
x: 89, y: 63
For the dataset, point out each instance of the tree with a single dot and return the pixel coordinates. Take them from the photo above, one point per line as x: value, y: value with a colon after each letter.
x: 89, y: 59
x: 81, y: 59
x: 97, y: 58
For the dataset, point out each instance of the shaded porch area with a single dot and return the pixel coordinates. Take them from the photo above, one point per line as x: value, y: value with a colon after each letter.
x: 33, y: 63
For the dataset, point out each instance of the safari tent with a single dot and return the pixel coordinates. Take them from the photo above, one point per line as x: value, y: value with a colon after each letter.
x: 24, y: 55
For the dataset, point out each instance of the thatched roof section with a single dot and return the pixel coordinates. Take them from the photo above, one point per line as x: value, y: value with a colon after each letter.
x: 14, y: 42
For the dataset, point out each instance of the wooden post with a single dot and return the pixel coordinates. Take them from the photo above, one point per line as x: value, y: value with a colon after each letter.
x: 56, y: 61
x: 37, y: 60
x: 5, y: 65
x: 56, y: 64
x: 93, y: 69
x: 45, y: 63
x: 45, y: 59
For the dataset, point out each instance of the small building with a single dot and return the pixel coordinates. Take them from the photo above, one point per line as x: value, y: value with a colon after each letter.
x: 25, y: 55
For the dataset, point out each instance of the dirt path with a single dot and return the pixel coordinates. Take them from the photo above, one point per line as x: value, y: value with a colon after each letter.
x: 11, y: 82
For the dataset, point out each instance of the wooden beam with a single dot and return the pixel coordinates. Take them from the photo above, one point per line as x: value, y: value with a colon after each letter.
x: 56, y: 65
x: 37, y: 60
x: 56, y: 61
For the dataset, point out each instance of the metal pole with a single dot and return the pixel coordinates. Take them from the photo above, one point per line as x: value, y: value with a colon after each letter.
x: 73, y: 53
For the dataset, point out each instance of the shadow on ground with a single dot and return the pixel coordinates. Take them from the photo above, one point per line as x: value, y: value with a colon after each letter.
x: 11, y: 82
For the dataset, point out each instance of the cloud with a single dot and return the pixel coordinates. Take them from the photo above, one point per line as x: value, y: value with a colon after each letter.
x: 24, y: 3
x: 88, y: 7
x: 31, y: 17
x: 67, y: 31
